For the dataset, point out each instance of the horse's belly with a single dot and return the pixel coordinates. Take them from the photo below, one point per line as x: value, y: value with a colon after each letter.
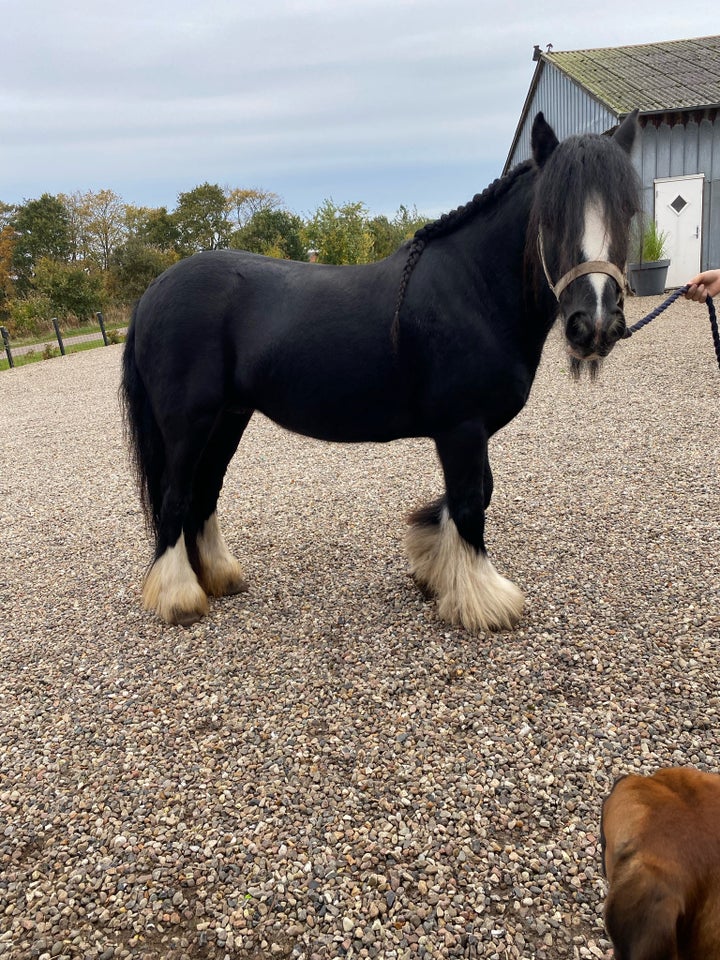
x: 338, y: 422
x: 331, y: 392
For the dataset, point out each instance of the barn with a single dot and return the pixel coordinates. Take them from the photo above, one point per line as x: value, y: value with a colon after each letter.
x: 676, y: 87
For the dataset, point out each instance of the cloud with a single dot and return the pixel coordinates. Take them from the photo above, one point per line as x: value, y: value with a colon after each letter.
x: 159, y: 97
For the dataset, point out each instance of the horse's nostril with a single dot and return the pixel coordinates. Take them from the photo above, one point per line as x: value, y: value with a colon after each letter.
x: 579, y: 329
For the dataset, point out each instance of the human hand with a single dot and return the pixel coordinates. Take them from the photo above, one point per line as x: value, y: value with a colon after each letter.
x: 704, y: 285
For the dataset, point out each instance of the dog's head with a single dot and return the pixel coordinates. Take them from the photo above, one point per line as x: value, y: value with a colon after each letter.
x: 660, y: 839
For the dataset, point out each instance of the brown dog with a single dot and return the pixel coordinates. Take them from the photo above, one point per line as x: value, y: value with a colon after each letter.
x: 661, y: 853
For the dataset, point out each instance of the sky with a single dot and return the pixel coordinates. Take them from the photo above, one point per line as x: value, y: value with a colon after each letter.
x: 386, y: 102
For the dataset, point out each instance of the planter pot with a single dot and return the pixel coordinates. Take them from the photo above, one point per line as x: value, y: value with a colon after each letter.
x: 648, y: 279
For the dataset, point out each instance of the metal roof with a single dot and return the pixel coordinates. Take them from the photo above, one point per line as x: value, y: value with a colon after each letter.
x: 656, y: 77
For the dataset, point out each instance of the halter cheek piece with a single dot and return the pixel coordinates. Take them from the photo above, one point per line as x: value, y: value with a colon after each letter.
x: 581, y: 270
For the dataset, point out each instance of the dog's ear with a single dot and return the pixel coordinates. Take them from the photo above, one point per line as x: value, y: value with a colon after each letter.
x: 603, y: 841
x: 642, y: 920
x: 603, y: 837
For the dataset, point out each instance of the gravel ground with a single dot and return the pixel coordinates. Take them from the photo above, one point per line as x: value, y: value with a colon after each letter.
x: 321, y: 768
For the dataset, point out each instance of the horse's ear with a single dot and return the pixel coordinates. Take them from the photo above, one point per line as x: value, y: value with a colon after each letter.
x: 542, y: 139
x: 625, y: 134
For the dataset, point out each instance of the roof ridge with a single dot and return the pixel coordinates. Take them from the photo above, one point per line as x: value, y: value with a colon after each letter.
x: 632, y: 46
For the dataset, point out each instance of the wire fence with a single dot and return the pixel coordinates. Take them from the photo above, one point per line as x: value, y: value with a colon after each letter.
x: 62, y: 342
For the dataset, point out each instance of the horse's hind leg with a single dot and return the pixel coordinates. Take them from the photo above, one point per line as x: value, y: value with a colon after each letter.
x: 171, y: 587
x: 218, y: 571
x: 446, y: 540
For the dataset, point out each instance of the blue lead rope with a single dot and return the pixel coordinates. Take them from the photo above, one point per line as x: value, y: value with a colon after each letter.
x: 666, y: 303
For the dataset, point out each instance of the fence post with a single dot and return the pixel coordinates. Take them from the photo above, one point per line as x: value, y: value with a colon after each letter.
x: 59, y: 337
x: 6, y: 341
x: 102, y: 329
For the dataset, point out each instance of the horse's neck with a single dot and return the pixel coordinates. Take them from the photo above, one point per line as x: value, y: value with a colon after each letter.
x: 495, y: 248
x: 494, y: 237
x: 496, y: 244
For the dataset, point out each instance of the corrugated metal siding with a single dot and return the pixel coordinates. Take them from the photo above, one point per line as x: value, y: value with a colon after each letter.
x: 567, y: 108
x: 712, y: 197
x: 681, y: 150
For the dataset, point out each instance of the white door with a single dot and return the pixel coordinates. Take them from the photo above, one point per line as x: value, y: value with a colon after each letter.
x: 678, y: 213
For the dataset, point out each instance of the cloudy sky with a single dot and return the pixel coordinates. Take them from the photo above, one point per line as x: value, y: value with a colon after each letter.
x: 384, y: 101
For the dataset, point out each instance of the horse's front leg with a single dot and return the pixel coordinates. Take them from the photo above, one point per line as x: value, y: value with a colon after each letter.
x: 446, y: 540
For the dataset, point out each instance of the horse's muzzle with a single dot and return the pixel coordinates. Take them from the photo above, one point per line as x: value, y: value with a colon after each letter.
x: 590, y: 338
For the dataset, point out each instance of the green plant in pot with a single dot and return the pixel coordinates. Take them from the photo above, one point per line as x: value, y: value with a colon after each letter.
x: 648, y: 275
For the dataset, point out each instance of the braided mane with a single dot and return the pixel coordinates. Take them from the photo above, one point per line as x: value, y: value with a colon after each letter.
x: 448, y: 223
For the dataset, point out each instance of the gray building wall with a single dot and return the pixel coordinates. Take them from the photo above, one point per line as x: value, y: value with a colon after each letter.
x: 567, y: 108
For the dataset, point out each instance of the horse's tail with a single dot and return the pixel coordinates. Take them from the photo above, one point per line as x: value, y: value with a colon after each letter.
x: 147, y: 450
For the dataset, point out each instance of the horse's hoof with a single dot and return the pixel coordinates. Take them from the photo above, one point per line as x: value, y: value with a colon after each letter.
x: 425, y: 591
x: 223, y: 586
x: 187, y: 613
x: 219, y: 573
x: 185, y: 618
x: 172, y: 590
x: 239, y: 586
x: 187, y: 608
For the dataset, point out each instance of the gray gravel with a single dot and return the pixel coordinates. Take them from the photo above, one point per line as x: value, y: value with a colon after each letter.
x: 321, y: 768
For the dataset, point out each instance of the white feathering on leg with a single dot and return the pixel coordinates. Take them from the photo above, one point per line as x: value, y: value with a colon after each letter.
x: 468, y: 588
x: 171, y: 588
x: 220, y: 572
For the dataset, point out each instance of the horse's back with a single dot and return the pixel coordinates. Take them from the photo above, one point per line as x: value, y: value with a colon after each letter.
x: 195, y: 295
x: 310, y: 345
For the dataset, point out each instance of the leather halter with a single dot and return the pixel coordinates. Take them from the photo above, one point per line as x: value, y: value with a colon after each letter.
x: 581, y: 270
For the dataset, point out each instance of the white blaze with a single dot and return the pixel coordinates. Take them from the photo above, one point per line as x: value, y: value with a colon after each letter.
x: 596, y: 246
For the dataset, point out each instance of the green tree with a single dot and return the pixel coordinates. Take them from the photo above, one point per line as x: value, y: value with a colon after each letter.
x: 134, y: 265
x: 408, y: 221
x: 70, y: 290
x: 74, y: 204
x: 340, y: 234
x: 28, y: 316
x: 153, y: 226
x: 275, y: 233
x: 7, y: 214
x: 385, y: 235
x: 97, y: 224
x: 201, y: 219
x: 389, y: 234
x: 7, y: 285
x: 43, y: 231
x: 105, y: 224
x: 244, y: 204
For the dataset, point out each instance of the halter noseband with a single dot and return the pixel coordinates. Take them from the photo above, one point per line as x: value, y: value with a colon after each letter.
x: 581, y: 270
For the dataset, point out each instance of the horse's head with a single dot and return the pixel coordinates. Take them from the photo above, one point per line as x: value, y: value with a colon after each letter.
x: 586, y: 195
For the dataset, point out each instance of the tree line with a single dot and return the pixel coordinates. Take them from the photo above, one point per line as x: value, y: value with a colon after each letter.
x: 71, y: 255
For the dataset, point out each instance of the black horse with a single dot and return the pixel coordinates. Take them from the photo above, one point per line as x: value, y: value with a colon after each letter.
x: 441, y: 339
